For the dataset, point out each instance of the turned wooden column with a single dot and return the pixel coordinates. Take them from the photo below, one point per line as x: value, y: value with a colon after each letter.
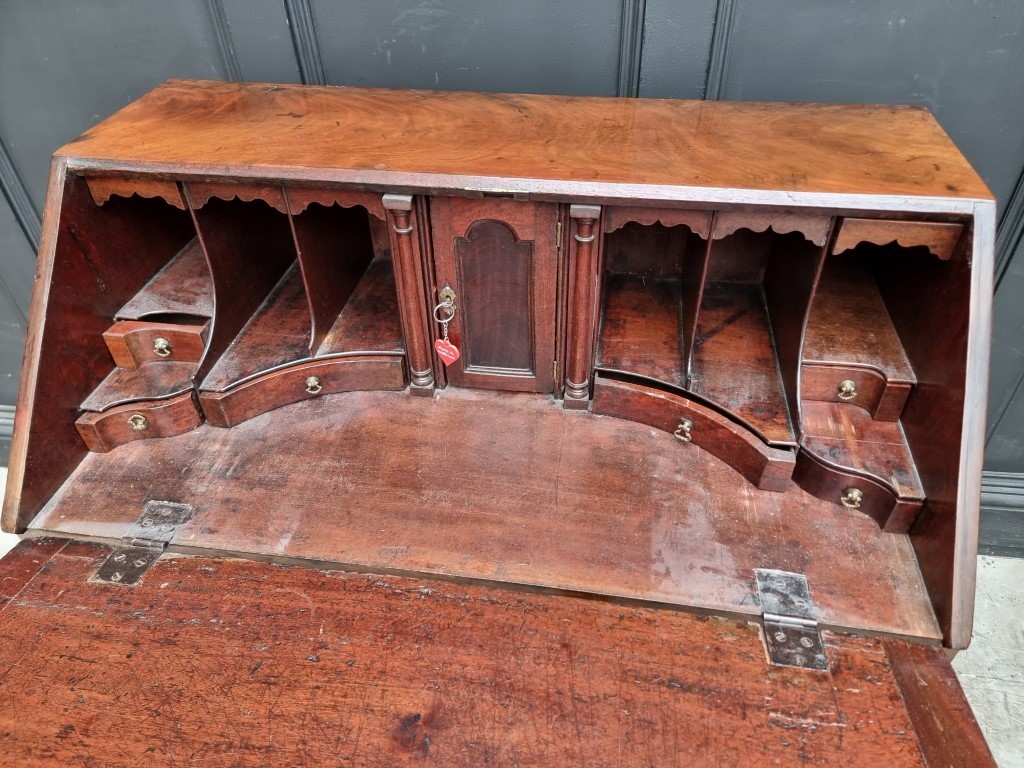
x: 411, y: 300
x: 583, y: 311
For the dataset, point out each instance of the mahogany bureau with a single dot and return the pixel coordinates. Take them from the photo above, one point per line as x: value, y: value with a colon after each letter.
x: 368, y: 427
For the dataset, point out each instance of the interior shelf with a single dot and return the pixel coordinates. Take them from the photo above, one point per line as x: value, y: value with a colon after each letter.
x: 276, y: 335
x: 183, y: 287
x: 849, y: 323
x: 734, y: 360
x: 370, y: 320
x: 641, y: 328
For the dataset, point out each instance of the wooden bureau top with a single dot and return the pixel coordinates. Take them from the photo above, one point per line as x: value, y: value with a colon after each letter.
x: 558, y: 146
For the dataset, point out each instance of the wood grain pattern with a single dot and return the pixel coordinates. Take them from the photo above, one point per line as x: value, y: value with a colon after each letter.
x: 883, y: 399
x: 152, y: 381
x: 791, y: 281
x: 300, y: 198
x: 409, y: 235
x: 849, y: 436
x: 582, y: 308
x: 944, y: 416
x: 415, y: 484
x: 814, y: 227
x: 103, y: 188
x: 248, y: 247
x: 277, y: 388
x: 131, y: 343
x: 942, y: 718
x: 103, y: 432
x: 850, y: 323
x: 572, y: 147
x: 641, y: 328
x: 938, y: 237
x: 201, y: 192
x: 767, y: 468
x: 335, y: 246
x: 92, y: 260
x: 390, y: 671
x: 617, y: 216
x: 277, y: 334
x: 830, y: 481
x: 734, y: 362
x: 501, y: 259
x: 182, y: 287
x: 370, y: 321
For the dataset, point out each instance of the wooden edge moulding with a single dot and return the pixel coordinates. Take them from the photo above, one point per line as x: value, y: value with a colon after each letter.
x: 813, y: 343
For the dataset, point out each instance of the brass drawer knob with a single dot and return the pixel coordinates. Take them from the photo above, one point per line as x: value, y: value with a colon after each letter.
x: 684, y: 431
x: 161, y: 347
x: 313, y: 385
x: 138, y: 422
x: 847, y: 389
x: 852, y: 497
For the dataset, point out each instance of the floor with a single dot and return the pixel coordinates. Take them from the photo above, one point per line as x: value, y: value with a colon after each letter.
x: 991, y: 671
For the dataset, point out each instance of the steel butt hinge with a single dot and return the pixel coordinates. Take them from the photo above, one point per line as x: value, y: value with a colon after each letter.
x: 790, y: 630
x: 143, y: 544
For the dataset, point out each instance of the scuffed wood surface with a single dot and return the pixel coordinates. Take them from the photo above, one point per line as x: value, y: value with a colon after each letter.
x: 539, y: 497
x: 229, y: 663
x: 590, y: 146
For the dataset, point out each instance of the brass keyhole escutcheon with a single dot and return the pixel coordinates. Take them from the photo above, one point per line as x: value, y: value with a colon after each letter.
x: 138, y: 422
x: 313, y: 385
x: 161, y: 347
x: 684, y: 431
x: 852, y: 497
x: 847, y: 389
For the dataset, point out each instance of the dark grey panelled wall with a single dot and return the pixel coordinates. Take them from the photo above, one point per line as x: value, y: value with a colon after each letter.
x: 63, y: 66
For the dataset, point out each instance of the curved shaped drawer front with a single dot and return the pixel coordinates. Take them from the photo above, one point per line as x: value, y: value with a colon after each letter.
x: 856, y: 491
x: 302, y: 382
x: 105, y: 431
x: 883, y: 399
x: 135, y: 342
x: 767, y: 468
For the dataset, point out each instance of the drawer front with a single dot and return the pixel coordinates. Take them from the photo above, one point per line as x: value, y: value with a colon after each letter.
x: 105, y: 431
x: 767, y: 468
x: 132, y: 343
x: 863, y: 387
x: 855, y: 491
x: 302, y: 382
x: 938, y: 237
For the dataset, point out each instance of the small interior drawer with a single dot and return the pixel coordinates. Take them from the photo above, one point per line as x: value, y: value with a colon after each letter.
x: 766, y: 467
x: 105, y: 431
x: 938, y: 237
x: 132, y: 343
x: 855, y: 491
x: 863, y: 387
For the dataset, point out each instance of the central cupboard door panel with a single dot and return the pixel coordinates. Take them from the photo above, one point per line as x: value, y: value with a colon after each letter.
x: 501, y: 259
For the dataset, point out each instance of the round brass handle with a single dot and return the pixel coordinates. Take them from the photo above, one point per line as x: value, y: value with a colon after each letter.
x: 847, y: 389
x: 313, y: 385
x: 138, y: 422
x: 852, y: 497
x: 161, y: 347
x: 684, y: 431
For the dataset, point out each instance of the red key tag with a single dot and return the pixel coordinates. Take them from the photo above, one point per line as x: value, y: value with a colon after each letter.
x: 443, y: 313
x: 447, y: 351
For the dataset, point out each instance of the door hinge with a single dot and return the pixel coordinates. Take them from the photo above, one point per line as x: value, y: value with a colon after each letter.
x: 558, y: 235
x: 143, y: 544
x: 790, y: 629
x: 554, y: 373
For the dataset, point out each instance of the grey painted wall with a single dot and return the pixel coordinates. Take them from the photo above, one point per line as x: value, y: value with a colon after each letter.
x: 63, y: 66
